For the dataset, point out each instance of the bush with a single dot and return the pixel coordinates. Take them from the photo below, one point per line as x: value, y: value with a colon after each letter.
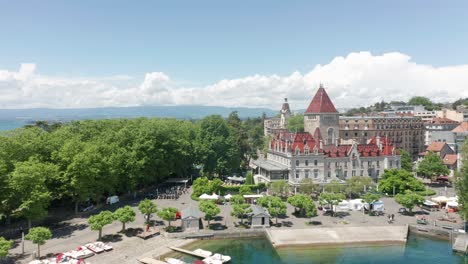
x: 235, y: 189
x: 427, y: 192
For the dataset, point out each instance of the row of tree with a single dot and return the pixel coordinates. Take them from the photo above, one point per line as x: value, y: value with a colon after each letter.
x: 82, y: 160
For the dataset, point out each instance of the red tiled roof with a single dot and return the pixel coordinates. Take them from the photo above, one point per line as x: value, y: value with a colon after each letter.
x: 317, y: 134
x: 441, y: 120
x: 436, y: 146
x: 463, y: 127
x: 450, y: 159
x: 321, y: 103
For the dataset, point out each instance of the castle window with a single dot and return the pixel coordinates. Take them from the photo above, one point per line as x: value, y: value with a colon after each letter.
x: 306, y: 173
x: 315, y: 162
x: 316, y: 173
x: 298, y: 151
x: 297, y: 162
x: 306, y: 162
x: 297, y: 174
x: 306, y: 151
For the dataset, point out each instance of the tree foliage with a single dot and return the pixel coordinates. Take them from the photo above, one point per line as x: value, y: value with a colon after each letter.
x: 424, y: 101
x: 400, y: 181
x: 168, y: 214
x: 296, y: 123
x: 245, y: 189
x: 335, y: 186
x: 203, y: 185
x: 357, y: 185
x: 279, y: 188
x: 309, y: 187
x: 275, y: 206
x: 210, y: 209
x: 461, y: 184
x: 303, y: 204
x: 5, y: 246
x: 406, y: 160
x: 39, y: 235
x: 147, y: 207
x: 125, y: 215
x: 249, y: 178
x: 239, y: 207
x: 370, y: 198
x: 409, y: 200
x: 432, y: 166
x: 99, y: 221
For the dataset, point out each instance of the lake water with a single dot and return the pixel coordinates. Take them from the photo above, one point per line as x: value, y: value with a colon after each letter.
x: 418, y: 250
x: 11, y: 124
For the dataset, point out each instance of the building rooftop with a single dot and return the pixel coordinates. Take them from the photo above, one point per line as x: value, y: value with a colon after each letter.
x: 190, y: 212
x: 436, y: 146
x: 258, y: 210
x: 463, y: 127
x: 321, y: 103
x: 450, y: 159
x: 441, y: 120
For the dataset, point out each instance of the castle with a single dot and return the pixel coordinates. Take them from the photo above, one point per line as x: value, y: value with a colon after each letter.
x: 318, y: 152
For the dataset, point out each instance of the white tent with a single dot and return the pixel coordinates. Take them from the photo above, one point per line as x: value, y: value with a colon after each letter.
x: 356, y: 204
x: 208, y: 197
x: 228, y: 197
x: 451, y: 204
x: 342, y: 206
x: 378, y: 206
x: 440, y: 199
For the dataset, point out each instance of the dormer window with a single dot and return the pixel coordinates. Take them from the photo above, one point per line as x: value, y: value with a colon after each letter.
x: 315, y: 150
x: 306, y: 150
x: 298, y: 151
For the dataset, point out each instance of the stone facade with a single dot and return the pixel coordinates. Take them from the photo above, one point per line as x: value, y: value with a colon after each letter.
x: 275, y: 125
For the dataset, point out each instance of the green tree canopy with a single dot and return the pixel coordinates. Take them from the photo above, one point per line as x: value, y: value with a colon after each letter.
x: 461, y: 184
x: 39, y: 235
x: 125, y: 215
x: 147, y: 207
x: 400, y: 181
x: 370, y: 198
x: 357, y: 185
x: 432, y: 166
x: 409, y: 200
x: 304, y: 204
x: 279, y: 188
x: 249, y: 178
x: 168, y: 214
x: 239, y: 207
x: 331, y: 199
x: 309, y: 187
x: 245, y: 189
x: 5, y: 246
x: 406, y: 160
x: 296, y: 123
x: 335, y: 186
x: 275, y: 206
x: 210, y: 209
x: 424, y: 101
x: 97, y: 222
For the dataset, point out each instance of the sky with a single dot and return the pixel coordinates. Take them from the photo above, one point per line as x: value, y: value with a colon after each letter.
x: 79, y: 54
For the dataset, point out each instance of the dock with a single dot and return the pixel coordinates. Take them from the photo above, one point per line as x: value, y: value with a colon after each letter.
x: 151, y: 261
x: 337, y: 235
x: 461, y: 244
x: 188, y: 252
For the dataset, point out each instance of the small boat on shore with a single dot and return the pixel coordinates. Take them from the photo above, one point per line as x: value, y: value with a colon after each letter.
x: 202, y: 252
x: 217, y: 258
x: 174, y: 261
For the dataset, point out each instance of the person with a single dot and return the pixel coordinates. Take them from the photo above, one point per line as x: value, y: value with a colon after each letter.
x: 393, y: 217
x: 148, y: 226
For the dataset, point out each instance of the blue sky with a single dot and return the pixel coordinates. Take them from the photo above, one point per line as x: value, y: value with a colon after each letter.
x: 161, y: 46
x: 205, y: 41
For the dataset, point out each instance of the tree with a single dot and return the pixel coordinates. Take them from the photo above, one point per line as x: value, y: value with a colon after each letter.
x: 147, y: 207
x: 28, y: 188
x: 424, y: 101
x: 168, y: 214
x: 5, y: 246
x: 249, y: 178
x: 399, y: 181
x: 309, y: 187
x: 280, y: 188
x: 203, y: 185
x: 406, y: 160
x: 296, y: 123
x: 304, y: 204
x: 210, y: 209
x: 239, y: 207
x: 357, y: 185
x: 409, y: 200
x: 274, y: 205
x: 370, y: 198
x: 244, y: 189
x: 39, y: 235
x: 461, y: 184
x: 432, y: 166
x: 97, y: 222
x: 331, y: 199
x: 125, y: 215
x: 335, y: 187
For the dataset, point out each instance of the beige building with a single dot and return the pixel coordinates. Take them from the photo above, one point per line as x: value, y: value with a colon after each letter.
x: 275, y: 125
x: 405, y: 132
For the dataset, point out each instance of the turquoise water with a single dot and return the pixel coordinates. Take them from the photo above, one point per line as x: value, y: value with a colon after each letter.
x: 11, y: 124
x: 418, y: 250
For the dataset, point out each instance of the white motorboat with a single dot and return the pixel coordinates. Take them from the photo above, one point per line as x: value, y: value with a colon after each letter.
x: 202, y: 252
x: 174, y: 261
x: 220, y: 257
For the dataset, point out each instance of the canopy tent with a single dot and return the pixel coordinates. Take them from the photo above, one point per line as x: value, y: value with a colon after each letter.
x: 356, y: 204
x: 208, y: 197
x: 236, y: 179
x: 429, y: 203
x: 228, y: 197
x: 451, y: 204
x: 342, y: 206
x: 439, y: 199
x: 378, y: 206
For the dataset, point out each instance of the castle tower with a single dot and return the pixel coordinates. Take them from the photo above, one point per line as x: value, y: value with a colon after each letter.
x: 285, y: 114
x: 322, y: 114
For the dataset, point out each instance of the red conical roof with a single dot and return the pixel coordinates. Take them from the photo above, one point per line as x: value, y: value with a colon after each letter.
x: 321, y: 103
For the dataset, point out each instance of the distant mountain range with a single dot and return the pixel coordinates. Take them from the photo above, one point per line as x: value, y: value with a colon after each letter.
x: 180, y: 112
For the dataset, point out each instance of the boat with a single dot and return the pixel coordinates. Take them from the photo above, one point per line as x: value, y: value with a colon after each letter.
x: 217, y: 259
x: 174, y: 261
x: 202, y: 252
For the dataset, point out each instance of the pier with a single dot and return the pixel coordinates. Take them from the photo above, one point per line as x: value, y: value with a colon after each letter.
x: 337, y: 235
x: 188, y: 252
x: 461, y: 244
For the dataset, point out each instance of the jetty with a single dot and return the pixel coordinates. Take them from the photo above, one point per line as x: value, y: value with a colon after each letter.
x: 151, y: 261
x: 461, y: 244
x: 337, y: 235
x: 188, y: 252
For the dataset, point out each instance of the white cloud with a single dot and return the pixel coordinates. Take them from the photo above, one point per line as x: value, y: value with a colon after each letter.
x: 357, y: 79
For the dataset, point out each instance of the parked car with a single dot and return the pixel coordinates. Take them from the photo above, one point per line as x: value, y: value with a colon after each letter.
x: 403, y: 211
x: 112, y: 199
